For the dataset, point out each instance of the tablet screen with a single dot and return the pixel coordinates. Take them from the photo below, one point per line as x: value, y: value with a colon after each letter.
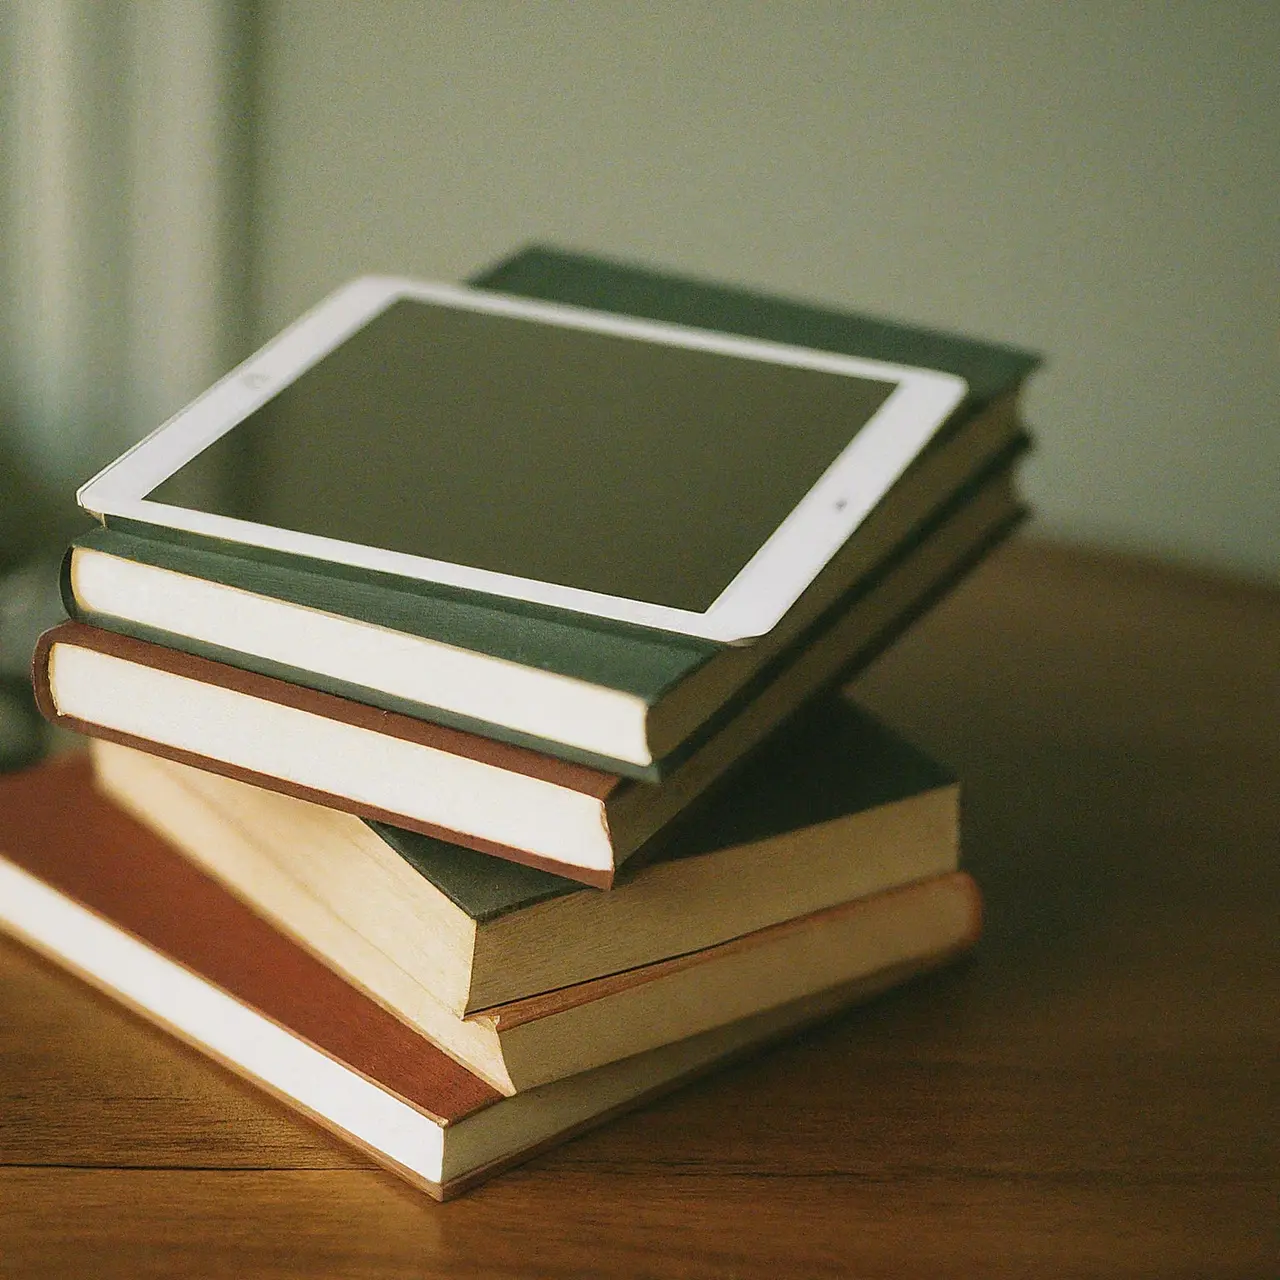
x: 585, y: 459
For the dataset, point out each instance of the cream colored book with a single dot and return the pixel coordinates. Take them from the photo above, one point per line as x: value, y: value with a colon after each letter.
x: 103, y: 896
x: 464, y: 947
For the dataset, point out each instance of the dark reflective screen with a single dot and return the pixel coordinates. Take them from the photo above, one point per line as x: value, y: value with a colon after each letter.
x: 585, y: 459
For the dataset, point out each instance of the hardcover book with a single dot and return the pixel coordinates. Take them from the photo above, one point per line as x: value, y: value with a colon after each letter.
x: 87, y: 886
x: 834, y: 808
x: 623, y: 699
x: 533, y: 1041
x: 490, y: 796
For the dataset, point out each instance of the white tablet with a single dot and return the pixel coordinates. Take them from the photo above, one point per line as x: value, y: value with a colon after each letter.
x: 669, y: 477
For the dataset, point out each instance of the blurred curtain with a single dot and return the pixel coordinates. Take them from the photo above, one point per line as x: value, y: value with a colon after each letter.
x: 125, y: 164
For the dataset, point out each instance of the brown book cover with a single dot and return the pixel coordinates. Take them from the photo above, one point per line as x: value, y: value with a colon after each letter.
x: 57, y: 829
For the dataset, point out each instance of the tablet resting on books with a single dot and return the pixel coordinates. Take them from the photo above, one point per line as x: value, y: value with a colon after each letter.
x: 550, y: 456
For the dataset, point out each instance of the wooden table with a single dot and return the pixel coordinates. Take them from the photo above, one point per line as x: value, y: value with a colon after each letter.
x: 1095, y: 1094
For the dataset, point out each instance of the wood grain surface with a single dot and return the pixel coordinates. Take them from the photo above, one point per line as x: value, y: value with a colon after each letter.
x: 1096, y: 1094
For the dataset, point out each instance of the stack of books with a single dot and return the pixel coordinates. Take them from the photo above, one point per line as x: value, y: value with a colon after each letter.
x: 459, y: 878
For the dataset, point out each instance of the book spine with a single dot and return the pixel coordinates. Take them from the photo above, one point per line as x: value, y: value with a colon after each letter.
x: 653, y: 846
x: 1000, y: 464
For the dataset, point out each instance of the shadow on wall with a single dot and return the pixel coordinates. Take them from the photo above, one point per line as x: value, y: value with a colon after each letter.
x: 34, y: 528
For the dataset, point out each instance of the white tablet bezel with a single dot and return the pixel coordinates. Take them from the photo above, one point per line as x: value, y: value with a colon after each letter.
x: 757, y: 598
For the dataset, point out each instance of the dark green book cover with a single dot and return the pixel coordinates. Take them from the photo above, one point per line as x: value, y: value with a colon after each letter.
x: 829, y: 760
x: 645, y: 663
x: 585, y: 280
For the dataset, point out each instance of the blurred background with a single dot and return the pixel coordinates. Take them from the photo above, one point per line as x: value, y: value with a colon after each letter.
x: 1095, y: 180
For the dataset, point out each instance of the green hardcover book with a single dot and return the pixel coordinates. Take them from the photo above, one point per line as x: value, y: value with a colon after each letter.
x: 620, y: 698
x: 586, y: 280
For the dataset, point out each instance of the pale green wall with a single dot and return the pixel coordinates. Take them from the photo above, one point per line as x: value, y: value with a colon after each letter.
x: 124, y: 147
x: 1097, y: 180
